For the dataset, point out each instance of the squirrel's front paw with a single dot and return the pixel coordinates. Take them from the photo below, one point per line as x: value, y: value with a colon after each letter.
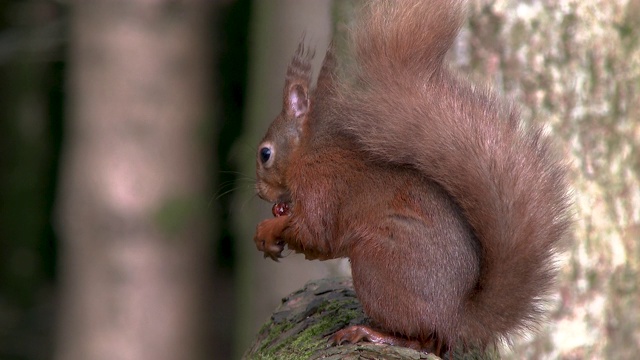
x: 268, y: 237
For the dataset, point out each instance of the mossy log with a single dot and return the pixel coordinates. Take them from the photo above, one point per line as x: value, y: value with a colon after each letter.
x: 301, y: 326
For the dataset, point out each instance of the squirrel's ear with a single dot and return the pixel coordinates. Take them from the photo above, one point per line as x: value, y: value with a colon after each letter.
x: 298, y: 80
x: 297, y: 100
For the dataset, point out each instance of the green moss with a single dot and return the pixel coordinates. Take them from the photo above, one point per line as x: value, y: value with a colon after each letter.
x: 308, y: 340
x: 273, y: 330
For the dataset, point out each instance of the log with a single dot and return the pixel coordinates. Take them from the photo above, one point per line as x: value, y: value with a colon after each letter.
x: 301, y: 326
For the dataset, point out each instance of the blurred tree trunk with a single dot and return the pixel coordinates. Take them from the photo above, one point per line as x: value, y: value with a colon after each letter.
x: 277, y: 28
x: 134, y: 182
x: 575, y: 65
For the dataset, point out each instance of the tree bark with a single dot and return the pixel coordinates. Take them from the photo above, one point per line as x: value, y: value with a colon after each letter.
x: 575, y: 66
x: 134, y: 188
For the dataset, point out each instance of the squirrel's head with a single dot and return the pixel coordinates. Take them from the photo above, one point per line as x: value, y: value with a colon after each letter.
x: 286, y: 132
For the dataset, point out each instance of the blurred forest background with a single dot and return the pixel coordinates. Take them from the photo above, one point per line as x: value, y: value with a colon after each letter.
x: 127, y: 142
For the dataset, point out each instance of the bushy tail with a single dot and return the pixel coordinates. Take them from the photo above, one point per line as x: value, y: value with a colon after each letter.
x: 406, y: 107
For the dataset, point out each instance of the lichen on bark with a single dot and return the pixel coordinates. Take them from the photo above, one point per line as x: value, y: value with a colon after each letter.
x: 575, y: 67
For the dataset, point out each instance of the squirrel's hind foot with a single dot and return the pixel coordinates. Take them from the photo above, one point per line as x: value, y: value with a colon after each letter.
x: 356, y: 333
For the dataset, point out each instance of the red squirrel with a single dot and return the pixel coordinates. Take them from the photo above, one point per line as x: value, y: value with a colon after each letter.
x: 450, y: 210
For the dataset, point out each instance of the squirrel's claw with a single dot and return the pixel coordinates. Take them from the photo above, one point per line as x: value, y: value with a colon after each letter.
x: 270, y: 249
x: 268, y: 237
x: 357, y: 333
x: 274, y: 251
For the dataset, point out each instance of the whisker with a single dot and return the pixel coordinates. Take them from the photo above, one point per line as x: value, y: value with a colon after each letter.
x: 222, y: 192
x: 224, y: 185
x: 225, y: 188
x: 234, y: 172
x: 245, y: 180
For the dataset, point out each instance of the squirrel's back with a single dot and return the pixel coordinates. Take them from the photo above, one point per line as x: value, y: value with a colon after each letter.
x: 404, y: 106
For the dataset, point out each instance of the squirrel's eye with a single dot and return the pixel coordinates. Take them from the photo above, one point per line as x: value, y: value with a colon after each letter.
x: 265, y: 154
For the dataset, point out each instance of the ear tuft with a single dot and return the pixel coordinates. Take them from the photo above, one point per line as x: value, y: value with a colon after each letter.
x: 299, y: 69
x: 327, y: 72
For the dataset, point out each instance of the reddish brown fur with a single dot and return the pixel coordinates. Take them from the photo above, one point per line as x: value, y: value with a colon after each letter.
x: 450, y: 211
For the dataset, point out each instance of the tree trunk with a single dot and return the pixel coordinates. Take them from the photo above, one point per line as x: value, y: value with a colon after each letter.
x: 575, y: 65
x: 134, y: 186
